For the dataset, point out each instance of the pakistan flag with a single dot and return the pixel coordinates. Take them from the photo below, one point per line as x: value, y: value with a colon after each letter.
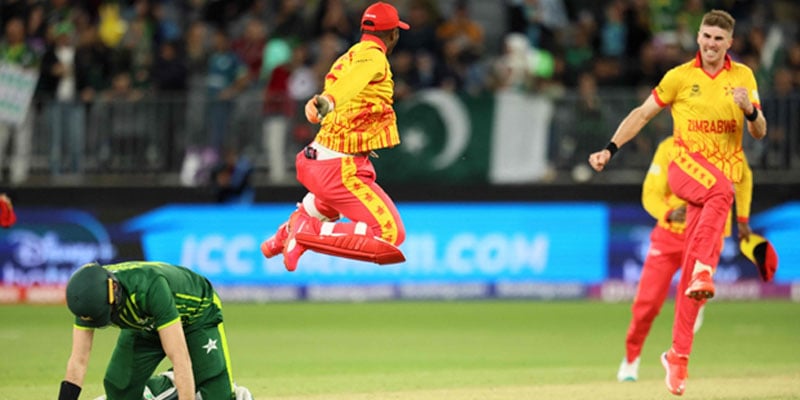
x: 457, y: 139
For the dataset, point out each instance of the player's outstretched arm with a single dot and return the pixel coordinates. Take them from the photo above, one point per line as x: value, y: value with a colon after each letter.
x: 174, y: 343
x: 77, y: 364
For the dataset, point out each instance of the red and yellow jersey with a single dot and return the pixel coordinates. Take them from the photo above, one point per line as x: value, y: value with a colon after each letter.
x: 360, y: 83
x: 658, y: 200
x: 706, y: 120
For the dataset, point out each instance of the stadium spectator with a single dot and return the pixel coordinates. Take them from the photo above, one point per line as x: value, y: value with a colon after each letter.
x: 405, y: 74
x: 793, y: 61
x: 65, y: 113
x: 639, y: 33
x: 333, y: 16
x: 170, y: 71
x: 520, y: 67
x: 429, y: 70
x: 463, y: 31
x: 462, y: 42
x: 92, y: 64
x: 36, y: 30
x: 246, y: 111
x: 226, y: 78
x: 124, y: 123
x: 613, y: 32
x: 196, y: 51
x: 170, y: 83
x: 581, y: 128
x: 425, y: 17
x: 782, y: 109
x: 15, y: 53
x: 289, y: 22
x: 580, y: 53
x: 166, y: 24
x: 250, y: 47
x: 688, y: 22
x: 281, y: 112
x: 231, y: 179
x: 258, y: 10
x: 58, y: 11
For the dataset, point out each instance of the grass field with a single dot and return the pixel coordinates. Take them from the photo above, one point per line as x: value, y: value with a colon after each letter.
x: 480, y: 350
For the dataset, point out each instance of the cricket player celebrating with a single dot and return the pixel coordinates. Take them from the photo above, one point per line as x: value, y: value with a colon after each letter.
x: 357, y: 118
x: 665, y: 254
x: 710, y: 98
x: 161, y: 310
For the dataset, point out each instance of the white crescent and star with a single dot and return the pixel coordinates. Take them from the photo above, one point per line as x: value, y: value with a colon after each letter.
x: 455, y: 120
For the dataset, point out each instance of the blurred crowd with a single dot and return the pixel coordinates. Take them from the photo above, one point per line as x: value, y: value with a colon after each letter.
x: 202, y: 59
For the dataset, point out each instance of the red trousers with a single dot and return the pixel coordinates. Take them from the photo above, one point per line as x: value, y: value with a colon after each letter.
x: 346, y: 186
x: 663, y: 260
x: 709, y: 195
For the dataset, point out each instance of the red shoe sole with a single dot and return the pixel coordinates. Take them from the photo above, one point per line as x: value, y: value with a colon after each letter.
x: 700, y: 290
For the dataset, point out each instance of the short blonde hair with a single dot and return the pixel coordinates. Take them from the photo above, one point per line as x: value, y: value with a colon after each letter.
x: 720, y: 19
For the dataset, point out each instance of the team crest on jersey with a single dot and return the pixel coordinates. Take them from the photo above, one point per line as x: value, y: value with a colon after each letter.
x: 728, y: 89
x: 695, y: 90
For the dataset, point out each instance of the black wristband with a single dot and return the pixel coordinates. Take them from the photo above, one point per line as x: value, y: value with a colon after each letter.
x: 612, y: 148
x: 753, y: 115
x: 69, y: 391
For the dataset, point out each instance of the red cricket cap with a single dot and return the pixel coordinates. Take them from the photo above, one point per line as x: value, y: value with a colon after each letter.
x: 381, y: 17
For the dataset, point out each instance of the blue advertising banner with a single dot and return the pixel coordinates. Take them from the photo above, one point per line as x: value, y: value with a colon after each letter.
x: 469, y: 250
x: 45, y: 246
x: 781, y: 226
x: 454, y: 243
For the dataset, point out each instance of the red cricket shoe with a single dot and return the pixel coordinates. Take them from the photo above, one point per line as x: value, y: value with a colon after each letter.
x: 701, y: 286
x: 274, y: 245
x: 676, y: 366
x: 299, y: 221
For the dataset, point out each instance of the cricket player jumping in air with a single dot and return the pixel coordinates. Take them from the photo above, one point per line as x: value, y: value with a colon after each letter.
x: 356, y: 116
x: 710, y: 98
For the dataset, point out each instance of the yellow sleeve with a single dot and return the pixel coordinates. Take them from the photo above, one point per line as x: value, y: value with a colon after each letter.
x: 655, y: 188
x: 366, y: 65
x: 667, y: 88
x: 752, y: 88
x: 743, y: 193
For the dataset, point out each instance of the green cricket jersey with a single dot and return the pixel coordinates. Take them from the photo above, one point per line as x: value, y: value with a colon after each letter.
x: 159, y: 294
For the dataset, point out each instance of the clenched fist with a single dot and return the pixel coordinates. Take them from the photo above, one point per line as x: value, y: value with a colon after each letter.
x: 741, y: 98
x: 598, y: 160
x: 318, y: 107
